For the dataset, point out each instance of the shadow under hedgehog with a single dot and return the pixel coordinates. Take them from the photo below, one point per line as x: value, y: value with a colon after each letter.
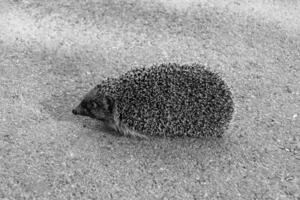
x: 162, y: 100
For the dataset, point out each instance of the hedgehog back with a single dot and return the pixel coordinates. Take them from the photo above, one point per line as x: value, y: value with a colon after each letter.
x: 173, y: 100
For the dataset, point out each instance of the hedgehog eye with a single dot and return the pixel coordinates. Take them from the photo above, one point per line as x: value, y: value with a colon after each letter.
x: 94, y: 105
x: 91, y: 105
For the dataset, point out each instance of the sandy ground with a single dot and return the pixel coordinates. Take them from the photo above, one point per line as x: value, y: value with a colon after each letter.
x: 51, y: 53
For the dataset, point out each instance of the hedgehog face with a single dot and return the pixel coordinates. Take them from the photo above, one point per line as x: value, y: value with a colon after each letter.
x: 100, y: 108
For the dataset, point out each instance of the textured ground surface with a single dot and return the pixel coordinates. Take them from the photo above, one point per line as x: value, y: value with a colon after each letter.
x: 51, y: 53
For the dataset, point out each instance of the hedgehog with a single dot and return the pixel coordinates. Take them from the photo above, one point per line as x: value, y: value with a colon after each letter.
x: 169, y: 100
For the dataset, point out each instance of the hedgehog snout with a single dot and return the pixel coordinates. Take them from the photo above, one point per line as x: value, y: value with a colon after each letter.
x: 74, y: 111
x: 78, y: 110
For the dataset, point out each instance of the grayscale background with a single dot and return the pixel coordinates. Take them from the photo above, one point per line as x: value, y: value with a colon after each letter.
x: 53, y: 52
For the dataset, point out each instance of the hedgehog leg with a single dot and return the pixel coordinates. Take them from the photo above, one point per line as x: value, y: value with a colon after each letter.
x: 121, y: 128
x: 131, y: 133
x: 138, y: 135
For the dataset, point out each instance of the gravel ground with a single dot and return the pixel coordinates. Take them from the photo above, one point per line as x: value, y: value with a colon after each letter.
x: 51, y: 53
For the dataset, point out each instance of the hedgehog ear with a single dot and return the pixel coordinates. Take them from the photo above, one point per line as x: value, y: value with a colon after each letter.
x: 109, y: 103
